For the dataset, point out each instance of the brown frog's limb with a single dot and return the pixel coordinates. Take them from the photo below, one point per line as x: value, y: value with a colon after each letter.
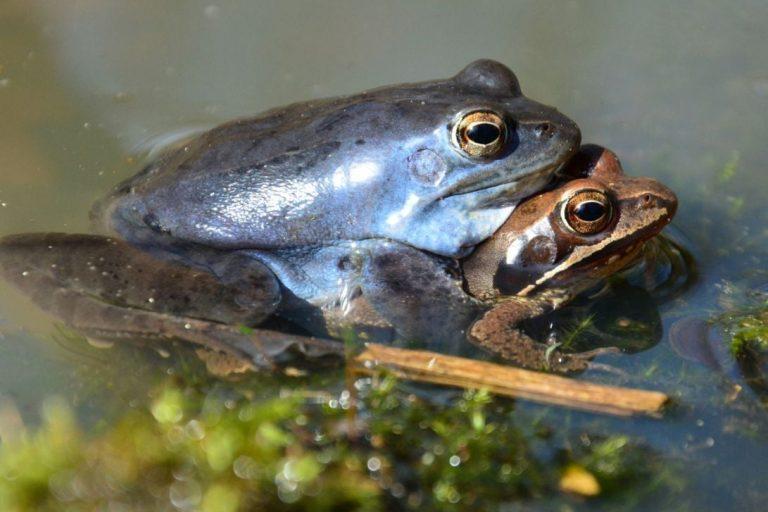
x: 109, y: 290
x: 496, y: 332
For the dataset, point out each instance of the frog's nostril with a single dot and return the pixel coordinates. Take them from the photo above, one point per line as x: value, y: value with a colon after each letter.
x: 651, y: 201
x: 543, y: 130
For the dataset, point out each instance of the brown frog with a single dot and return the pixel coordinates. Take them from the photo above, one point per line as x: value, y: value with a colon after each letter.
x: 555, y: 245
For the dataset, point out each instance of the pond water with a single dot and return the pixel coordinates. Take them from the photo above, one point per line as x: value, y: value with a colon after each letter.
x: 679, y: 91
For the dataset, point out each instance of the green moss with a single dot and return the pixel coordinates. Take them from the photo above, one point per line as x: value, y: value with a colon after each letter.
x: 388, y: 447
x: 749, y: 331
x: 745, y: 319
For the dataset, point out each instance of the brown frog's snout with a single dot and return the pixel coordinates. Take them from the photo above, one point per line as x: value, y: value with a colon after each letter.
x: 664, y: 198
x: 648, y: 194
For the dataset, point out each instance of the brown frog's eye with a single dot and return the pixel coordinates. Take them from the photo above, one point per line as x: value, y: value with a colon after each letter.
x: 480, y: 134
x: 588, y: 212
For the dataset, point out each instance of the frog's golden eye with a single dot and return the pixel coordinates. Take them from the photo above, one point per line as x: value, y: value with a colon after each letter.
x: 588, y: 212
x: 480, y: 134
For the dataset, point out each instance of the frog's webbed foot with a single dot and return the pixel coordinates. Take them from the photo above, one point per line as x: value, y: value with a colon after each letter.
x: 269, y: 346
x: 495, y: 332
x: 242, y: 348
x: 222, y: 364
x: 607, y: 368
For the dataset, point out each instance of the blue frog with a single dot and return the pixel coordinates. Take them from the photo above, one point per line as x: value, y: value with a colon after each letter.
x: 296, y: 214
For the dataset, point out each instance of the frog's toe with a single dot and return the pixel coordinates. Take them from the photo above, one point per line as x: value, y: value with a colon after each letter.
x: 574, y: 362
x: 558, y: 362
x: 590, y: 354
x: 608, y: 369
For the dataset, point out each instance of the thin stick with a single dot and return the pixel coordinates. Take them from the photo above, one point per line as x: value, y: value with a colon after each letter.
x: 541, y: 387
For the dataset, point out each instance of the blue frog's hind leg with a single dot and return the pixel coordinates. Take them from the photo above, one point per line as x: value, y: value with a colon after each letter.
x: 108, y: 289
x: 420, y: 294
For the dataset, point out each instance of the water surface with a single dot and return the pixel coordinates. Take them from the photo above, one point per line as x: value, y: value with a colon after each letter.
x: 679, y: 91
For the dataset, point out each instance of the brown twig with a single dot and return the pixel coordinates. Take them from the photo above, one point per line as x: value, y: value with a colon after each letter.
x: 508, y: 381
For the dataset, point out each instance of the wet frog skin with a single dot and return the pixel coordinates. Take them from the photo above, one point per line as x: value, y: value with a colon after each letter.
x: 301, y: 188
x: 554, y: 244
x: 398, y: 163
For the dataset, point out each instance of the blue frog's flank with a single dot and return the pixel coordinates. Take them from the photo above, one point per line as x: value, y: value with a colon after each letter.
x: 436, y: 165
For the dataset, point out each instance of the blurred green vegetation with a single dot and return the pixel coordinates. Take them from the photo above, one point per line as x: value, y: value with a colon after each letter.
x: 743, y: 317
x: 750, y: 333
x: 387, y: 447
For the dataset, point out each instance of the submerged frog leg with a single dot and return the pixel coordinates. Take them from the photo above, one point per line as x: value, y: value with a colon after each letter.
x: 109, y: 290
x: 420, y: 294
x: 496, y: 332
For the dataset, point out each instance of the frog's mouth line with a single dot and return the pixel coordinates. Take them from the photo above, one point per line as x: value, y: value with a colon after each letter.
x: 489, y: 190
x: 607, y: 256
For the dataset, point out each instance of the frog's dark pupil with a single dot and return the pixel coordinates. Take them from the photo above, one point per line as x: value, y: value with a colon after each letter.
x: 483, y: 133
x: 589, y: 211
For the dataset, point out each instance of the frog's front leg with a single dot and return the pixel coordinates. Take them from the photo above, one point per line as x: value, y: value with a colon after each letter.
x: 108, y: 289
x: 497, y: 331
